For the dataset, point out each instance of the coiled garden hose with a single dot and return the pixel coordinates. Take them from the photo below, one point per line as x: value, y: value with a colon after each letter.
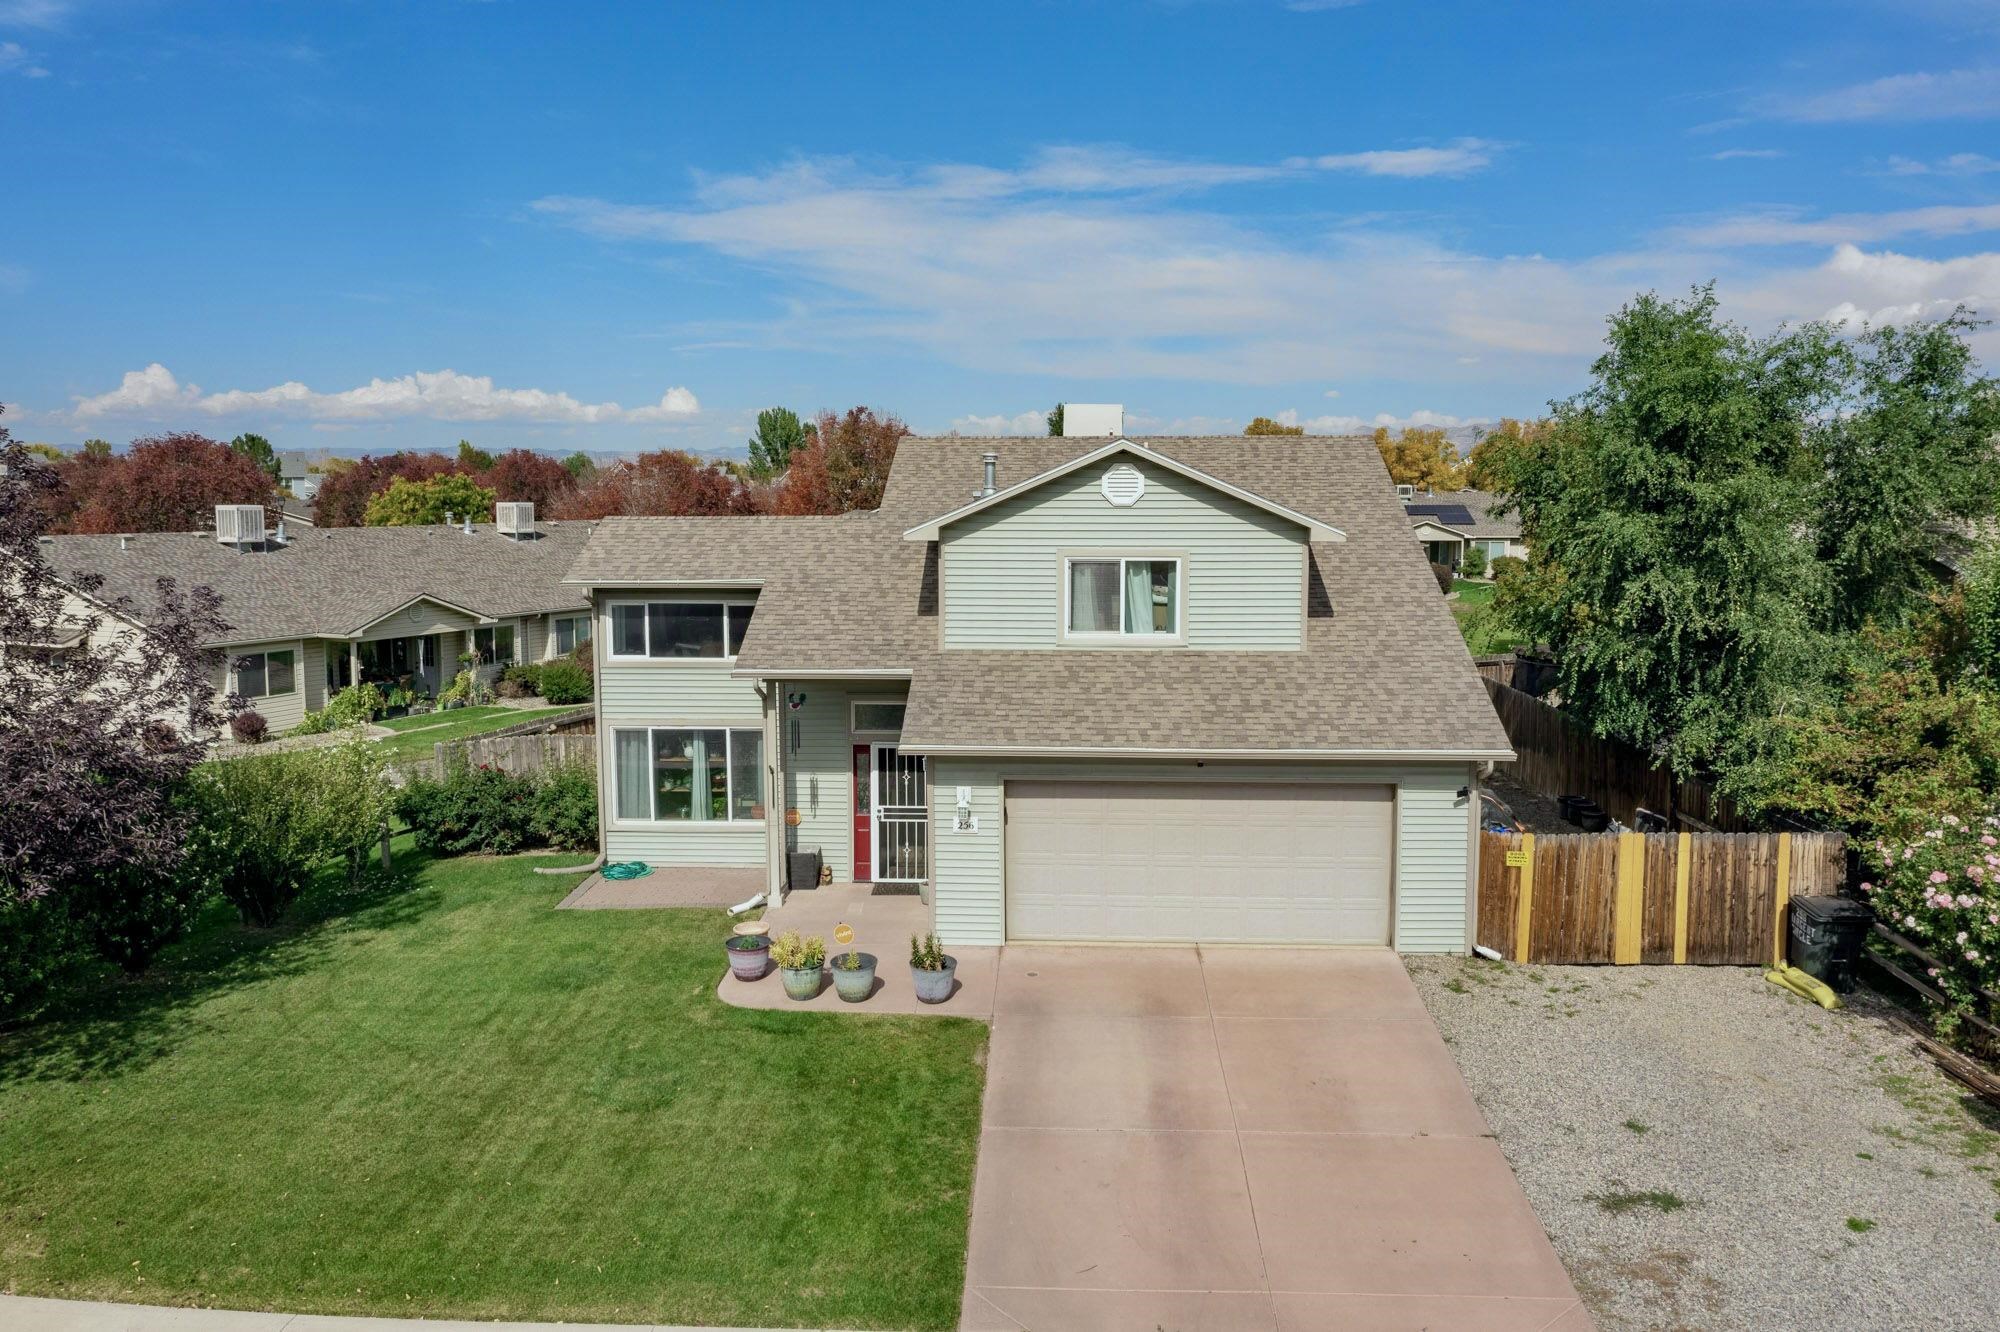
x: 626, y: 869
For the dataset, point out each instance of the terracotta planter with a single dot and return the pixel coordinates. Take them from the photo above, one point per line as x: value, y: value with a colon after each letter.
x: 801, y: 983
x: 934, y: 987
x: 857, y: 983
x: 748, y: 962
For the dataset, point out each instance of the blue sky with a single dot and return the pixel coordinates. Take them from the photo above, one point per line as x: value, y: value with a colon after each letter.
x: 627, y: 227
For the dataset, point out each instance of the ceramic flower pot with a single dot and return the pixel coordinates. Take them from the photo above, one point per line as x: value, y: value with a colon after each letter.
x: 934, y: 987
x: 801, y: 983
x: 749, y: 956
x: 857, y: 983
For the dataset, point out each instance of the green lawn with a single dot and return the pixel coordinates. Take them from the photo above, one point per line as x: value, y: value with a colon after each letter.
x: 449, y: 1100
x: 415, y: 735
x: 1483, y: 634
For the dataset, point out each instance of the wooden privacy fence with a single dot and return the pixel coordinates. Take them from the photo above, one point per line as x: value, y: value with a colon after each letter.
x: 1559, y: 756
x: 517, y: 754
x: 1711, y: 898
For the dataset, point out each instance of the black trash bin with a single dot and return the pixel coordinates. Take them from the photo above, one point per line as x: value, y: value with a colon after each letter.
x: 802, y: 869
x: 1827, y: 934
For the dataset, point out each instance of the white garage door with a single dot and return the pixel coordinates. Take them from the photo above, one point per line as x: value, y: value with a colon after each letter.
x: 1198, y: 861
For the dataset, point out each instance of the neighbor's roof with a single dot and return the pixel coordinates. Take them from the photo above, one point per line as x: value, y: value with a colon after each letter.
x: 1470, y: 513
x: 335, y: 581
x: 1385, y: 668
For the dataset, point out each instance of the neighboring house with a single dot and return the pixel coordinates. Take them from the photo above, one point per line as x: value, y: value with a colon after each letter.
x: 1171, y: 689
x: 1454, y: 522
x: 312, y: 610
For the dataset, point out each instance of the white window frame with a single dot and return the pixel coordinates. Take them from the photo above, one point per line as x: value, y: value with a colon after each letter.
x: 854, y: 706
x: 730, y: 606
x: 236, y: 672
x: 1119, y: 638
x: 729, y: 732
x: 555, y: 631
x: 514, y: 656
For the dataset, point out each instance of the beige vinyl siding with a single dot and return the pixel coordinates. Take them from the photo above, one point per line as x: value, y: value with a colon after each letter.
x: 425, y: 617
x: 819, y: 775
x: 531, y: 639
x: 1243, y: 569
x: 673, y: 693
x: 1432, y: 842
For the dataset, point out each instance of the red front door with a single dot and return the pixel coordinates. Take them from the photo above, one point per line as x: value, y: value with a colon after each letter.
x: 864, y: 821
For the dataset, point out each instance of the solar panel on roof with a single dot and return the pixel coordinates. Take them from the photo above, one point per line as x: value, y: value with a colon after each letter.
x: 1448, y: 514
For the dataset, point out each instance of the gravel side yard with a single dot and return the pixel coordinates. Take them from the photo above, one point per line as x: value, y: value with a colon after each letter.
x: 1709, y: 1153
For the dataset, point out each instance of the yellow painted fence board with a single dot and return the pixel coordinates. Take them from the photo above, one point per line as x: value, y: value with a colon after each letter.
x: 1628, y: 911
x: 1784, y: 898
x: 1683, y: 867
x: 1524, y: 907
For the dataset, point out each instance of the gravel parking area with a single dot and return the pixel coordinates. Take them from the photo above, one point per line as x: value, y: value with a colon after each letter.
x: 1707, y: 1152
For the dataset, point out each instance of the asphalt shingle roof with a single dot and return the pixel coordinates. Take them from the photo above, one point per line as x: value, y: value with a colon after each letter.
x: 1480, y: 521
x: 333, y: 581
x: 1385, y: 668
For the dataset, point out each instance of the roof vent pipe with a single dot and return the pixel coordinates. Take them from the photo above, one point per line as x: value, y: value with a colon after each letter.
x: 124, y: 543
x: 992, y: 462
x: 449, y: 519
x: 468, y: 524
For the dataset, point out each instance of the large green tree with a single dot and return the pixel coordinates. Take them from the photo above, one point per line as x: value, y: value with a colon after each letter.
x: 1664, y: 509
x: 259, y: 451
x: 408, y: 503
x: 780, y: 433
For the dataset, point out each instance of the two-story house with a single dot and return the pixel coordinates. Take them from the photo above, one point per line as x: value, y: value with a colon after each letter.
x: 1072, y: 689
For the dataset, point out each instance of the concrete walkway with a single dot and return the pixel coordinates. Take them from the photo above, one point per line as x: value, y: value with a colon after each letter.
x: 22, y: 1314
x: 1240, y: 1139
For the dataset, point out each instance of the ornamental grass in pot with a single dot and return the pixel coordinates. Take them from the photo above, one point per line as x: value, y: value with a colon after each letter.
x: 799, y: 961
x: 854, y: 975
x: 931, y: 969
x: 749, y: 955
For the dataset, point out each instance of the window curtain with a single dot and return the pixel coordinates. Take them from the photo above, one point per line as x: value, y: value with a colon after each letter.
x: 1093, y: 596
x: 1138, y: 597
x: 635, y: 775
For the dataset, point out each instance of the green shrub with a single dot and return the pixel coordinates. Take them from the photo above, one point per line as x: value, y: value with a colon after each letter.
x: 795, y: 953
x: 566, y: 808
x: 520, y: 681
x: 1446, y: 576
x: 565, y: 682
x: 1474, y: 563
x: 39, y: 940
x: 1506, y: 566
x: 265, y: 824
x: 356, y: 705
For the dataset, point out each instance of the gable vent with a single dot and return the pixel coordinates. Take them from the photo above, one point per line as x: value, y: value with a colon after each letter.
x: 1122, y: 485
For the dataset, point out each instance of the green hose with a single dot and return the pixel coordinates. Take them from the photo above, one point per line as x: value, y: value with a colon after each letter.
x: 626, y: 869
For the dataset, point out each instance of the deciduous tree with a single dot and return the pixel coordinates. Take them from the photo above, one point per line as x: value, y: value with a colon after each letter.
x: 472, y: 459
x: 780, y: 433
x: 663, y: 484
x: 168, y: 483
x: 523, y: 474
x: 344, y: 493
x: 1264, y: 425
x: 258, y: 450
x: 1486, y: 463
x: 1421, y: 457
x: 845, y: 467
x: 408, y: 503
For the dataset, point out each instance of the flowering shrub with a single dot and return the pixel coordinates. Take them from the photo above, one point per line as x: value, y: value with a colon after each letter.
x: 1941, y: 890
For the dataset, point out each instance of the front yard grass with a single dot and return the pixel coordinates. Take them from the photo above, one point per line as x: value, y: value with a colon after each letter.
x: 446, y: 1099
x: 415, y: 735
x: 1483, y: 633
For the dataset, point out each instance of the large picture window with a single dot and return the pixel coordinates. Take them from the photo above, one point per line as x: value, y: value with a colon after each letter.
x: 1123, y: 597
x: 671, y: 774
x: 690, y: 630
x: 263, y: 674
x: 494, y: 644
x: 572, y: 631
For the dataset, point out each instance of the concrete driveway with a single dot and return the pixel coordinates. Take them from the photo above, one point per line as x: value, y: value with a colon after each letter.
x: 1240, y: 1139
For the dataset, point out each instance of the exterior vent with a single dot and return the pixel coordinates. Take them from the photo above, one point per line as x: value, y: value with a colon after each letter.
x: 239, y: 524
x: 515, y: 518
x: 1098, y: 419
x: 1122, y: 485
x: 1406, y: 493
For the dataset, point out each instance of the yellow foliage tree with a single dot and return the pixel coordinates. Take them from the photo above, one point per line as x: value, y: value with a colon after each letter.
x: 1264, y: 425
x: 1484, y: 467
x: 1421, y: 456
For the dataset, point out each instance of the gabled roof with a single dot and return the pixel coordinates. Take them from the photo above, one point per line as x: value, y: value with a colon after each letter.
x: 1317, y: 530
x: 1468, y: 513
x: 333, y: 582
x: 374, y: 620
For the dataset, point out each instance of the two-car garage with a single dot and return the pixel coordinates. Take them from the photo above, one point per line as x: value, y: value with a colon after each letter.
x: 1199, y: 862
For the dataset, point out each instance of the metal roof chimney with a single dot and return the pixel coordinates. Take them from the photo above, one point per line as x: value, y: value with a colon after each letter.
x: 991, y: 461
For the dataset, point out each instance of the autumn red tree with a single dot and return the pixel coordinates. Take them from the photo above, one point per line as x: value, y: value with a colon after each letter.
x: 669, y: 483
x: 523, y: 474
x: 845, y: 467
x: 344, y: 492
x: 165, y: 483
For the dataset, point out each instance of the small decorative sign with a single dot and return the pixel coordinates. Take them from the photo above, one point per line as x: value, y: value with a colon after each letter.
x: 1517, y: 860
x: 791, y: 818
x: 843, y: 933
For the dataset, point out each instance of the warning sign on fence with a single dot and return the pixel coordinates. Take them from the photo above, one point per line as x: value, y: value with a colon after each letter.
x: 1517, y: 860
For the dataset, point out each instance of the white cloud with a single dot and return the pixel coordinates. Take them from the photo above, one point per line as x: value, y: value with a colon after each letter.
x: 1958, y: 164
x: 1112, y: 290
x: 1854, y: 286
x: 442, y: 395
x: 1021, y: 423
x: 1331, y: 393
x: 1740, y: 154
x: 1348, y: 425
x: 14, y: 59
x: 1953, y: 94
x: 1462, y: 157
x: 1795, y: 229
x: 33, y: 13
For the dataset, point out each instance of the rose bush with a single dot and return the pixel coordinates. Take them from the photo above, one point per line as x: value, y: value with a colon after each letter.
x: 1941, y: 890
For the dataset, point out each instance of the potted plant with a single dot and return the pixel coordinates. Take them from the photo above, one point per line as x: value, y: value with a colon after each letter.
x: 799, y: 961
x: 931, y: 969
x: 749, y: 955
x: 854, y: 975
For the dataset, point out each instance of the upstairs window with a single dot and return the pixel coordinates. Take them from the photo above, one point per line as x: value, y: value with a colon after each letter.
x: 692, y: 630
x: 1118, y: 598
